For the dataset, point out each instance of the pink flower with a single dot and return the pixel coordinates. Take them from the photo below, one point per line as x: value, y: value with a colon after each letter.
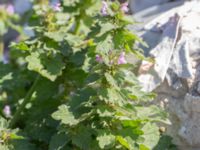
x: 99, y: 59
x: 7, y: 111
x: 10, y: 9
x: 57, y: 7
x: 124, y: 7
x: 104, y: 9
x: 121, y: 59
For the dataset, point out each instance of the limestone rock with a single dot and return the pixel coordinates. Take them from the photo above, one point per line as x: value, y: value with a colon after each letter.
x: 175, y: 75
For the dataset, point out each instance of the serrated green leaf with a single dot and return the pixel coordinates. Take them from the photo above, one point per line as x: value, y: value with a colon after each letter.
x: 5, y: 78
x: 56, y: 36
x: 104, y: 44
x: 70, y: 3
x: 106, y: 27
x: 104, y: 111
x: 123, y: 142
x: 4, y: 147
x: 14, y: 136
x: 50, y: 67
x: 94, y: 7
x: 151, y: 135
x: 111, y: 81
x: 110, y: 95
x: 131, y: 123
x: 65, y: 115
x: 143, y: 147
x: 106, y: 140
x: 21, y: 46
x: 34, y: 62
x: 153, y: 113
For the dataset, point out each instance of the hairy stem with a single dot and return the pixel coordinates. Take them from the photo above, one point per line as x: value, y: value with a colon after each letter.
x: 23, y: 105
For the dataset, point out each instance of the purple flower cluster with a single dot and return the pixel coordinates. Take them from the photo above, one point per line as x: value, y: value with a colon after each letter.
x: 104, y: 12
x: 104, y: 9
x: 7, y: 111
x: 124, y: 7
x: 10, y: 9
x: 57, y: 7
x: 99, y: 58
x: 121, y: 59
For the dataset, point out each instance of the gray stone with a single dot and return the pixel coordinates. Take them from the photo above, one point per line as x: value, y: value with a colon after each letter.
x: 138, y: 5
x: 175, y: 76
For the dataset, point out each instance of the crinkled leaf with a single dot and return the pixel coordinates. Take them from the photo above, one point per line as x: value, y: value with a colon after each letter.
x: 104, y: 111
x: 65, y: 115
x: 111, y: 81
x: 143, y: 147
x: 153, y: 113
x: 106, y: 140
x: 50, y: 67
x: 21, y: 46
x: 106, y: 27
x: 6, y: 77
x: 151, y: 135
x: 123, y: 142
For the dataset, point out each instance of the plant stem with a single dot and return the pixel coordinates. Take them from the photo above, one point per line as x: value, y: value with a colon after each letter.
x: 23, y: 105
x: 1, y: 46
x: 77, y: 27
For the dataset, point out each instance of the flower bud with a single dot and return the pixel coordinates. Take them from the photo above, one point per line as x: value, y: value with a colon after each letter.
x: 99, y: 59
x: 7, y: 111
x: 10, y: 9
x: 104, y: 9
x: 57, y: 7
x: 121, y: 59
x: 124, y: 7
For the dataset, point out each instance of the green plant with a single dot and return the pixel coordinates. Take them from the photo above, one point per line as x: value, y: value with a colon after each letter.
x: 77, y: 63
